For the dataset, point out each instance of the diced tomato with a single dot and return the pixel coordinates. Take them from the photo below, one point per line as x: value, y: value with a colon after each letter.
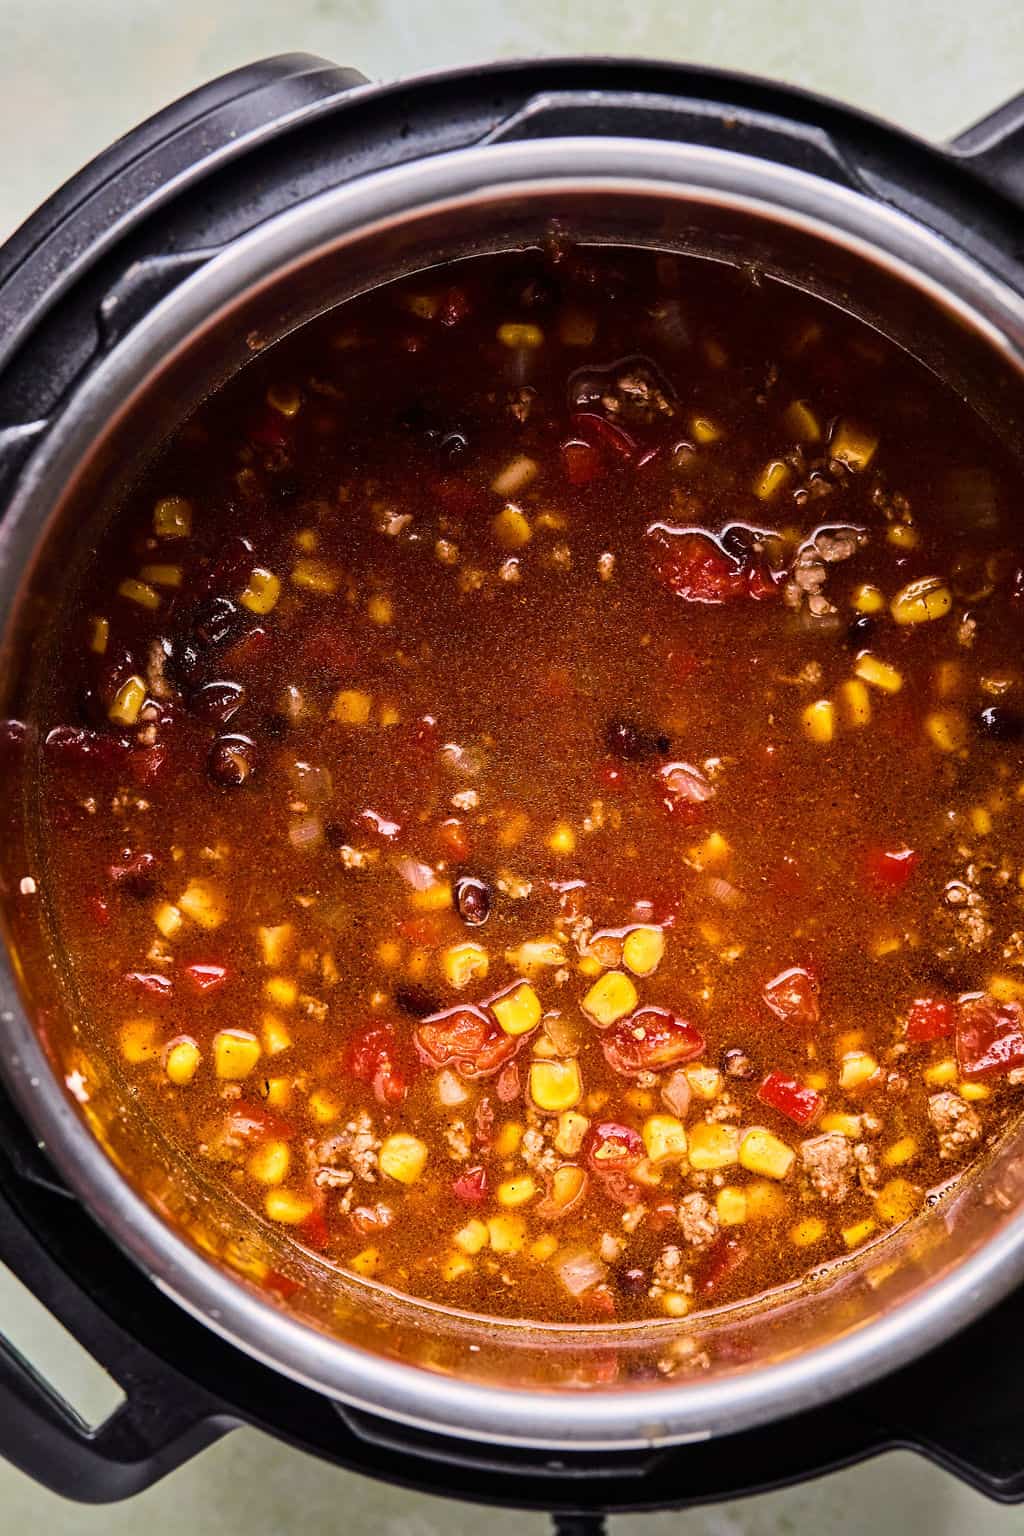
x: 454, y: 838
x: 149, y: 981
x: 593, y: 428
x: 929, y: 1018
x: 369, y: 1220
x: 582, y: 461
x: 248, y: 1121
x: 74, y: 746
x: 314, y: 1231
x: 650, y: 1041
x: 471, y: 1186
x: 889, y: 869
x: 468, y: 1039
x: 989, y: 1037
x: 693, y: 565
x: 269, y: 430
x: 661, y: 1216
x: 722, y: 1259
x: 372, y: 1057
x: 597, y: 1302
x: 205, y: 977
x: 99, y: 909
x: 145, y: 764
x: 611, y: 1147
x: 793, y: 996
x: 790, y: 1098
x: 455, y: 306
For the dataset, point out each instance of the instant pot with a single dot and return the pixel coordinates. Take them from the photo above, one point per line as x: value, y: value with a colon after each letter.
x: 190, y: 246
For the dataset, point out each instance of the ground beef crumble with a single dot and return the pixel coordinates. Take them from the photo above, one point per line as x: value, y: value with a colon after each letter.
x: 829, y: 1164
x: 957, y: 1125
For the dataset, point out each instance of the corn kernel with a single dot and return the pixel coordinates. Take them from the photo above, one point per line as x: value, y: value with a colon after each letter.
x: 203, y: 902
x: 948, y: 679
x: 380, y: 609
x: 508, y: 1137
x: 665, y: 1139
x: 275, y: 943
x: 848, y: 1040
x: 389, y: 954
x: 816, y: 1080
x: 138, y: 1041
x: 99, y: 635
x: 555, y: 1085
x: 543, y: 1248
x: 870, y: 669
x: 819, y: 721
x: 843, y: 1124
x: 517, y: 334
x: 590, y: 966
x: 308, y: 540
x: 859, y: 1232
x: 903, y: 535
x: 518, y: 1011
x: 571, y: 1130
x: 511, y: 528
x: 455, y: 1266
x: 852, y: 445
x: 731, y: 1206
x: 366, y: 1262
x: 611, y: 998
x: 139, y: 592
x: 507, y: 1233
x: 274, y: 1034
x: 802, y: 423
x: 981, y: 821
x: 323, y: 1106
x: 921, y: 601
x: 765, y: 1201
x: 562, y: 838
x: 941, y: 1073
x: 315, y: 576
x: 771, y: 479
x: 975, y: 1093
x: 898, y: 1201
x: 762, y: 1152
x: 403, y: 1157
x: 281, y: 991
x: 162, y: 575
x: 855, y: 1069
x: 516, y: 1191
x: 713, y: 1146
x: 418, y: 964
x: 168, y: 919
x: 277, y: 1092
x: 127, y: 701
x: 434, y: 898
x: 804, y: 1234
x: 676, y: 1304
x: 946, y: 729
x: 270, y: 1163
x: 172, y: 518
x: 181, y: 1063
x: 261, y: 591
x: 705, y: 1082
x: 902, y: 1151
x: 642, y: 950
x: 285, y: 399
x: 463, y: 963
x: 351, y: 707
x: 235, y: 1053
x: 472, y: 1237
x: 887, y: 945
x: 868, y: 598
x: 704, y: 430
x: 288, y: 1207
x: 712, y: 851
x: 856, y: 702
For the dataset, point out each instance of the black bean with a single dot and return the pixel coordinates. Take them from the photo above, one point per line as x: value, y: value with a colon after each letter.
x: 473, y: 900
x: 217, y: 702
x: 215, y: 621
x: 861, y: 631
x: 417, y: 1000
x: 453, y: 447
x: 633, y: 1281
x: 337, y: 836
x: 631, y: 743
x: 736, y: 1063
x: 231, y: 761
x: 1001, y: 723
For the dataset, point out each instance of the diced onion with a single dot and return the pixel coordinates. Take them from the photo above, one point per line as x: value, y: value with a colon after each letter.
x: 676, y: 1093
x: 420, y: 876
x: 306, y: 832
x: 579, y: 1270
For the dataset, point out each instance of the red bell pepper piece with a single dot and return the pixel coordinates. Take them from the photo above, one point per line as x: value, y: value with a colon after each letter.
x: 889, y: 869
x: 582, y: 461
x: 471, y: 1186
x: 650, y: 1041
x: 793, y: 996
x: 722, y: 1259
x: 929, y: 1018
x: 205, y: 977
x: 989, y: 1037
x: 373, y: 1058
x: 149, y: 981
x: 790, y: 1098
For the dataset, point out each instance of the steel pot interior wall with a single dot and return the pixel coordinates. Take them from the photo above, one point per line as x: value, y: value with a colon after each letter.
x: 634, y: 1384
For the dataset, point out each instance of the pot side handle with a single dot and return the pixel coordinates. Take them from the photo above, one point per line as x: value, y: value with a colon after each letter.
x: 994, y: 149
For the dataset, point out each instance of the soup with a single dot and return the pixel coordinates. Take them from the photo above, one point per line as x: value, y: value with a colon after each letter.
x: 534, y: 786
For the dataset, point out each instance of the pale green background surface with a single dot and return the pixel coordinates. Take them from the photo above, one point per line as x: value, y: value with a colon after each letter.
x: 76, y: 73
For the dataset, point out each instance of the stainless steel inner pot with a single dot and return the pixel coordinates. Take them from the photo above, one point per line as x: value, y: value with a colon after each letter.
x: 518, y: 1384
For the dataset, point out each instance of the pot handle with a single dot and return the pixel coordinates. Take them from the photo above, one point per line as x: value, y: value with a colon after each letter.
x: 994, y: 149
x: 164, y: 1418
